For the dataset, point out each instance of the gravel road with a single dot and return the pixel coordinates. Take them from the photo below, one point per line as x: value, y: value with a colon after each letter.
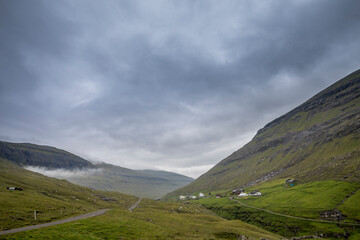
x: 71, y: 219
x: 135, y: 205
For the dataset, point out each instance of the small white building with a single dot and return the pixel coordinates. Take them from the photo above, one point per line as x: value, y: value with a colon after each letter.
x: 255, y: 193
x: 182, y: 197
x: 243, y: 194
x: 201, y: 195
x: 193, y: 197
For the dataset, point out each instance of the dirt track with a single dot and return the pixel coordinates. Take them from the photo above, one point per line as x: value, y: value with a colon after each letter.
x: 71, y: 219
x: 135, y: 205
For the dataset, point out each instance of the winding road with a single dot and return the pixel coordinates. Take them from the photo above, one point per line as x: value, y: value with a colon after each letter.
x: 135, y: 205
x: 288, y: 216
x: 71, y: 219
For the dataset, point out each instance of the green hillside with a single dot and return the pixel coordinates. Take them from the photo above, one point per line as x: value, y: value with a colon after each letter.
x: 142, y: 183
x: 176, y: 178
x: 52, y: 198
x: 308, y: 199
x: 319, y: 140
x: 56, y: 199
x: 152, y: 220
x: 295, y: 211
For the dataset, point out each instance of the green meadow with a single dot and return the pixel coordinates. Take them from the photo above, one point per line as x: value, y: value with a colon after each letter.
x: 302, y: 200
x: 55, y: 199
x: 284, y: 226
x: 151, y: 220
x: 308, y: 199
x: 51, y: 198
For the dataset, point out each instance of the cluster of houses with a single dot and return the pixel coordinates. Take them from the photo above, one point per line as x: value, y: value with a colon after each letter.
x: 236, y: 192
x: 241, y: 193
x: 332, y: 215
x: 189, y: 197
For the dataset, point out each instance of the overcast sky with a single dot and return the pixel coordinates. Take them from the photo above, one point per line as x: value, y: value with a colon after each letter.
x: 171, y: 85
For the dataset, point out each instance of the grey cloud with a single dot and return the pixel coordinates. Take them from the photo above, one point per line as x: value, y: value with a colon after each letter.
x: 166, y: 84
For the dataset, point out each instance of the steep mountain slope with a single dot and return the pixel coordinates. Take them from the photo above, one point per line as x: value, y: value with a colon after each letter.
x: 319, y: 140
x: 36, y: 155
x: 142, y: 183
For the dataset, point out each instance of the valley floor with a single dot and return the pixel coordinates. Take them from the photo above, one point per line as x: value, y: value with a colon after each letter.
x: 66, y: 220
x: 54, y: 200
x: 151, y: 220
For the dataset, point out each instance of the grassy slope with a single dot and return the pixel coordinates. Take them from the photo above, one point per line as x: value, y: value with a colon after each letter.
x: 303, y: 200
x: 307, y: 200
x: 284, y: 226
x: 146, y: 183
x: 351, y: 206
x: 319, y: 140
x: 55, y: 199
x: 176, y: 178
x: 151, y: 220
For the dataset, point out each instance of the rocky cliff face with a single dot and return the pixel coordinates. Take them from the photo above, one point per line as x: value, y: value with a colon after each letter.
x: 318, y: 140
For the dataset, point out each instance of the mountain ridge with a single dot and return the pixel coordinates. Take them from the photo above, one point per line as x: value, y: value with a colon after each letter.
x: 40, y: 155
x: 317, y: 97
x: 142, y: 183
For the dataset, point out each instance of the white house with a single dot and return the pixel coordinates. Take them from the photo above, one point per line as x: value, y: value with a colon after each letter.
x: 243, y: 194
x: 193, y: 197
x: 182, y: 197
x: 255, y: 193
x: 201, y: 195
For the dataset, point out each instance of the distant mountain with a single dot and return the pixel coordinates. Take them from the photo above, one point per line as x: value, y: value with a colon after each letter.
x: 143, y: 183
x: 319, y: 140
x: 26, y: 154
x: 177, y: 179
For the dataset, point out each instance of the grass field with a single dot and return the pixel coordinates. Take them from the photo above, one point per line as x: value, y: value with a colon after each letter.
x: 56, y: 199
x: 151, y: 220
x: 284, y: 226
x: 307, y: 200
x: 302, y: 200
x: 52, y: 199
x: 351, y: 206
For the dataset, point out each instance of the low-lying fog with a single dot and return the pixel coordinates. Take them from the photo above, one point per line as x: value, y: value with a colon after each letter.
x: 62, y: 173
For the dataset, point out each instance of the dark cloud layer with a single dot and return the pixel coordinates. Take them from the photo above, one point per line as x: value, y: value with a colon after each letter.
x: 175, y: 85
